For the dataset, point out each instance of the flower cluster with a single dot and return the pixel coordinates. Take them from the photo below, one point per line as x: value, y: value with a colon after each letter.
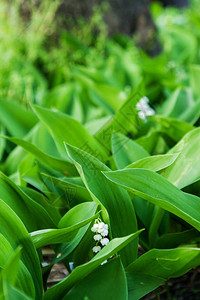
x: 144, y: 108
x: 101, y: 232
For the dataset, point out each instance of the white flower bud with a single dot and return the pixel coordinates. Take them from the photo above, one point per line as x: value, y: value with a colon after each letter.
x: 101, y: 227
x: 104, y: 233
x: 104, y: 241
x: 95, y: 227
x: 96, y: 249
x: 106, y: 226
x: 142, y: 115
x: 97, y: 237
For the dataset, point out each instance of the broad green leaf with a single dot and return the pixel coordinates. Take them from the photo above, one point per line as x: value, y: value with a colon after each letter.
x: 26, y: 164
x: 192, y: 115
x: 169, y: 105
x: 109, y: 94
x: 73, y: 216
x: 126, y: 151
x: 41, y: 199
x: 13, y: 160
x: 9, y: 272
x: 60, y: 165
x: 33, y: 177
x: 63, y: 128
x: 59, y: 96
x: 60, y: 290
x: 33, y: 215
x: 125, y: 121
x: 83, y: 250
x: 173, y: 240
x: 156, y: 266
x: 94, y: 126
x: 73, y: 191
x: 158, y: 190
x: 78, y: 214
x: 140, y: 285
x: 5, y: 250
x: 115, y: 199
x: 186, y: 169
x: 17, y: 124
x: 194, y: 79
x: 155, y: 163
x: 77, y: 110
x: 149, y: 141
x: 2, y: 142
x: 41, y: 138
x: 11, y: 293
x: 114, y: 285
x: 50, y: 192
x: 174, y: 128
x: 15, y: 232
x: 56, y: 236
x: 181, y: 105
x: 21, y: 276
x: 103, y: 94
x: 65, y: 249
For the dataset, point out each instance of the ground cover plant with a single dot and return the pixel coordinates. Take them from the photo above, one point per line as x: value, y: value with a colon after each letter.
x: 99, y: 148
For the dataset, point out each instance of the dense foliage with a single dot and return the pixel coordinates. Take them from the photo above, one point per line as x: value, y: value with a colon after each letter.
x: 99, y: 154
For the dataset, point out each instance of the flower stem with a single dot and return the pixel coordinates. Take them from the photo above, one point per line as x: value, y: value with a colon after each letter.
x: 155, y: 226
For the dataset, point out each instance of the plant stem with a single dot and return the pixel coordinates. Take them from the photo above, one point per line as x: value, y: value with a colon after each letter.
x: 167, y: 290
x: 157, y: 294
x: 150, y: 213
x: 155, y: 226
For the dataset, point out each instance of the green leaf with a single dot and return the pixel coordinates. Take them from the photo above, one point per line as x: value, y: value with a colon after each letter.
x: 15, y: 232
x: 33, y: 215
x: 194, y: 79
x: 126, y: 151
x: 60, y: 290
x: 2, y: 142
x: 59, y: 96
x: 113, y: 286
x: 115, y: 199
x: 109, y: 94
x: 156, y: 266
x: 140, y: 285
x: 10, y: 269
x: 60, y: 126
x: 60, y: 165
x: 174, y: 128
x: 17, y: 124
x: 168, y: 108
x: 155, y: 163
x: 15, y: 277
x: 125, y: 121
x: 74, y: 191
x: 41, y: 199
x: 157, y: 190
x: 149, y: 141
x: 181, y: 105
x: 56, y: 236
x: 173, y: 240
x: 72, y: 217
x: 65, y: 249
x: 77, y: 214
x: 186, y: 169
x: 11, y: 293
x: 191, y: 115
